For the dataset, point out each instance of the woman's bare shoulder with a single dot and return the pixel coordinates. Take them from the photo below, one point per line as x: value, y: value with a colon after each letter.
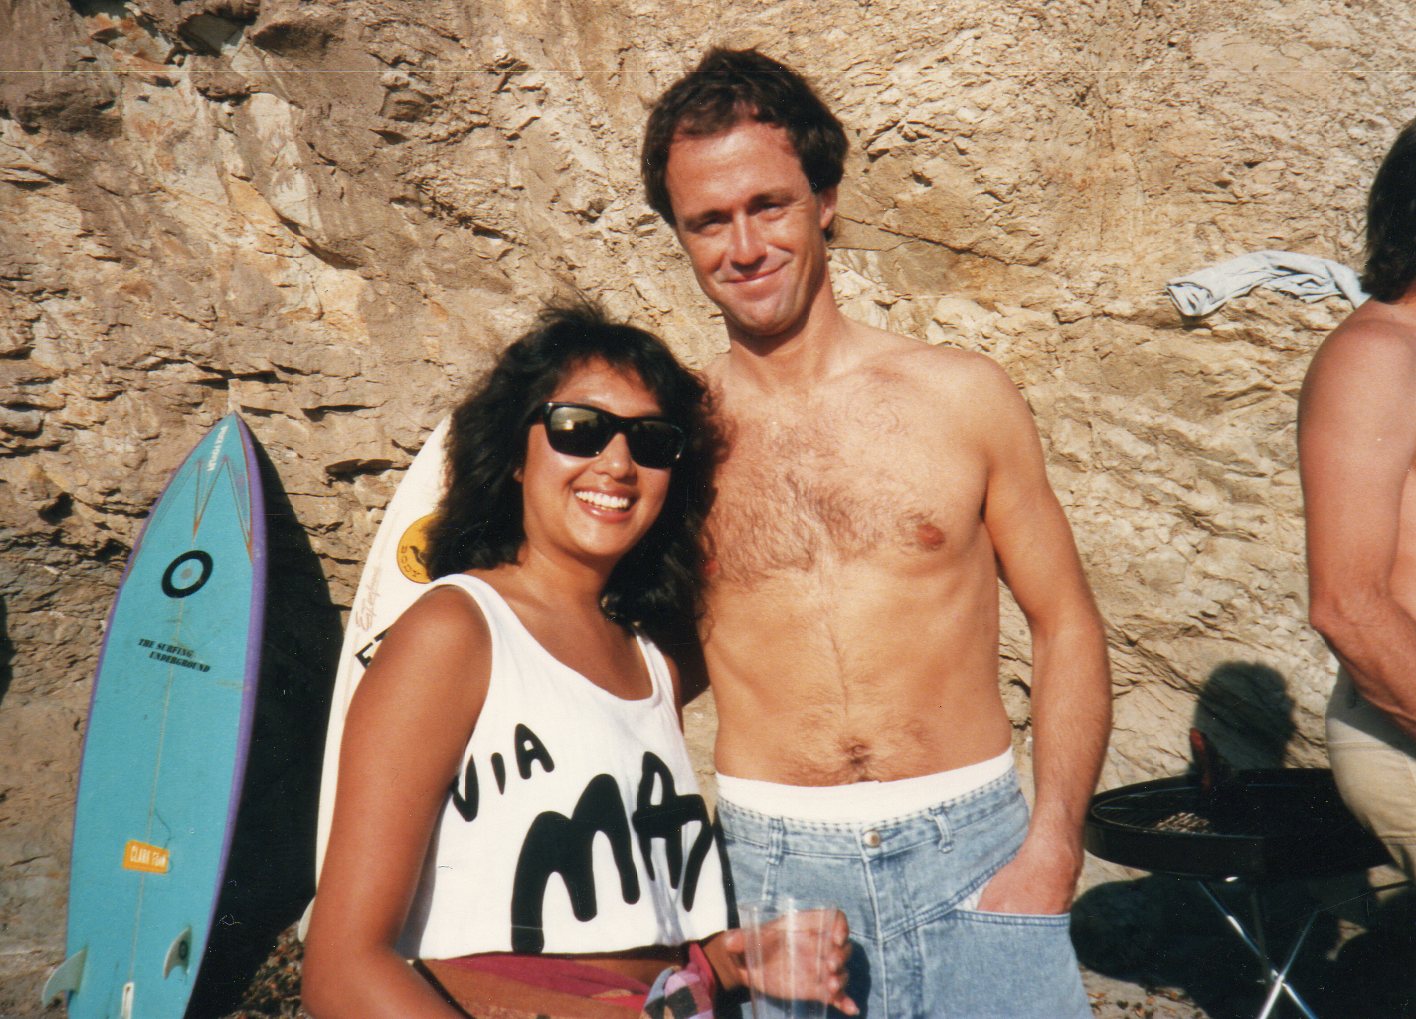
x: 441, y: 647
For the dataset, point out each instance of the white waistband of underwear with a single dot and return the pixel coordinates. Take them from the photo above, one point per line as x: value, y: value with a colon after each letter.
x: 861, y: 802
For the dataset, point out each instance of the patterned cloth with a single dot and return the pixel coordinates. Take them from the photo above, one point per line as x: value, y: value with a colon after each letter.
x: 685, y: 993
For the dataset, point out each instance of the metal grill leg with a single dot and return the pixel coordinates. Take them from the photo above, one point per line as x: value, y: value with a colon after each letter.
x: 1278, y: 980
x: 1281, y: 984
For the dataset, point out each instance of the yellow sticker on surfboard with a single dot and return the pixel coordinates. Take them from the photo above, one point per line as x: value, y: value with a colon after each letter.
x: 146, y: 858
x: 413, y: 550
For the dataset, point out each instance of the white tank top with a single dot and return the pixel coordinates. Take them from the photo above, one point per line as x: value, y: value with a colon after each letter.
x: 575, y: 824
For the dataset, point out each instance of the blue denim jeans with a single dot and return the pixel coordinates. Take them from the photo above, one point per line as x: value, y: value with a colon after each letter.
x: 904, y: 884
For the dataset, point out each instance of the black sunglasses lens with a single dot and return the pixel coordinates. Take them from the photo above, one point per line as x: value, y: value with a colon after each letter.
x: 578, y: 431
x: 655, y: 444
x: 586, y: 431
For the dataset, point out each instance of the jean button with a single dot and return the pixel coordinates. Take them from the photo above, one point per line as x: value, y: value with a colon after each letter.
x: 871, y: 838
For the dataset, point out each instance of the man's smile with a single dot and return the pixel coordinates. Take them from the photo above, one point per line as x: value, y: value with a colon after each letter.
x: 756, y: 276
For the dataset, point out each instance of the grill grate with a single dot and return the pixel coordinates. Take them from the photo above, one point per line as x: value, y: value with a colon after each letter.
x: 1254, y: 824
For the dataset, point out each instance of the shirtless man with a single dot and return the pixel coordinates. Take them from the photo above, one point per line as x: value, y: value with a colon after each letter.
x: 874, y: 491
x: 1357, y: 451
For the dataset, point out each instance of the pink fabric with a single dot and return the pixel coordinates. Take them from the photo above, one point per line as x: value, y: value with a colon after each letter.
x: 698, y: 963
x: 557, y: 974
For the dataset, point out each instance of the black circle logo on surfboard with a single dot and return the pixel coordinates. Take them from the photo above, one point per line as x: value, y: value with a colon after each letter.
x: 186, y: 574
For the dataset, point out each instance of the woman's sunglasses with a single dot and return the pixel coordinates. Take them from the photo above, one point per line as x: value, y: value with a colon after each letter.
x: 577, y: 430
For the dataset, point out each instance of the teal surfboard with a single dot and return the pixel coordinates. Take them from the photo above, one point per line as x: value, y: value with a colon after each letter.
x: 168, y: 731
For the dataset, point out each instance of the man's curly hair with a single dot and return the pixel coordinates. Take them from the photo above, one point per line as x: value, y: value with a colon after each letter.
x: 731, y: 86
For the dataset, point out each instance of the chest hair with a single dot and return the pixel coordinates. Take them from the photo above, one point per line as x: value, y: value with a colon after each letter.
x: 829, y: 485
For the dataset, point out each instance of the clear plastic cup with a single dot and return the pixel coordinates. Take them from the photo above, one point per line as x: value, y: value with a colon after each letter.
x: 788, y: 944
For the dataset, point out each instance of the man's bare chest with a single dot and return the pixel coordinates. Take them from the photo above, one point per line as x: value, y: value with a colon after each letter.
x: 808, y: 493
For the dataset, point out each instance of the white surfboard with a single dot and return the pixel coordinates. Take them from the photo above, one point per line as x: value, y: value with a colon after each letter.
x: 394, y: 576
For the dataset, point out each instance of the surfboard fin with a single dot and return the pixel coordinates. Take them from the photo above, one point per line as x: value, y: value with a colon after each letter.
x: 66, y: 978
x: 178, y: 952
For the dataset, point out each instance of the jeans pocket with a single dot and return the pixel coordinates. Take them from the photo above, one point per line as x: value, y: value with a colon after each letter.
x: 1042, y: 920
x: 1035, y: 948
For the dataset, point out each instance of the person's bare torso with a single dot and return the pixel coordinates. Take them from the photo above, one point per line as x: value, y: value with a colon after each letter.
x: 852, y: 607
x: 1398, y: 319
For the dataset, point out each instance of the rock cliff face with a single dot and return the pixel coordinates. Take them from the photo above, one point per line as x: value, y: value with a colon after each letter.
x: 328, y: 216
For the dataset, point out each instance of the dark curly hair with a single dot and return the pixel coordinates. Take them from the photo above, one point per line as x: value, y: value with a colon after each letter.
x: 726, y: 88
x: 1391, y: 221
x: 479, y: 520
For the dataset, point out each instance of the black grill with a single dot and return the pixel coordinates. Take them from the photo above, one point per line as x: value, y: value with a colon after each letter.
x: 1257, y: 825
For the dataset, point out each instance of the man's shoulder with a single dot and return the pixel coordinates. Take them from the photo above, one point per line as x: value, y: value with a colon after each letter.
x: 1364, y: 368
x: 940, y: 367
x: 1377, y: 337
x: 1378, y: 320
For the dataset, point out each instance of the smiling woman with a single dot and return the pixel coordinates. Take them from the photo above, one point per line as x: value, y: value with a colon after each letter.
x: 615, y: 498
x: 480, y: 523
x: 517, y: 711
x: 515, y: 808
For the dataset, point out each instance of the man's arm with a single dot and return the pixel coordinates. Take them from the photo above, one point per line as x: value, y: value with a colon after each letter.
x: 1071, y: 683
x: 1356, y: 445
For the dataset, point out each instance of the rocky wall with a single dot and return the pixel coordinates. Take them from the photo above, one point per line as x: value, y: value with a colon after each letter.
x: 329, y: 215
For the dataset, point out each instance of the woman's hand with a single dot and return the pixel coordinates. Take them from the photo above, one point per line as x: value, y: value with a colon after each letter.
x: 791, y: 962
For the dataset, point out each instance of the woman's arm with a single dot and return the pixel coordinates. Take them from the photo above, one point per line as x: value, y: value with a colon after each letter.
x: 404, y: 739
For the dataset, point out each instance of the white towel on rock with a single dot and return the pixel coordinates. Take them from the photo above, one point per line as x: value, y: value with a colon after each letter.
x: 1306, y: 277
